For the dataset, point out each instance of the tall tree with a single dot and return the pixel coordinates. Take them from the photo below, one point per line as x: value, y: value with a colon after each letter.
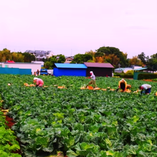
x: 113, y: 59
x: 92, y: 53
x: 113, y: 50
x: 135, y: 61
x: 5, y: 55
x: 143, y: 58
x: 152, y: 62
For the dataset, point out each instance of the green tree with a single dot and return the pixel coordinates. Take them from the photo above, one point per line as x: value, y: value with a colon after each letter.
x: 143, y: 58
x: 113, y: 59
x: 152, y: 62
x: 5, y: 55
x: 48, y: 65
x: 17, y: 57
x: 53, y: 60
x: 60, y: 58
x: 50, y: 62
x: 20, y: 57
x: 135, y: 61
x: 28, y: 57
x: 92, y: 53
x: 113, y: 50
x: 81, y: 58
x: 99, y: 54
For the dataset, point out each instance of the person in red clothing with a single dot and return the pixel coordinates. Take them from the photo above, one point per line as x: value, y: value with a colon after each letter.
x: 39, y: 82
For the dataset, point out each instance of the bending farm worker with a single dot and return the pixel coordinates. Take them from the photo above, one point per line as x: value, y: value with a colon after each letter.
x: 145, y: 89
x: 122, y: 85
x: 92, y: 80
x: 39, y: 82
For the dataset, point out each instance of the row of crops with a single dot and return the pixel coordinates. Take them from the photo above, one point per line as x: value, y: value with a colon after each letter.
x: 81, y: 123
x: 8, y: 142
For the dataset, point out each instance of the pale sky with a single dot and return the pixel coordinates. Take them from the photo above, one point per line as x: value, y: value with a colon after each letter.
x: 70, y: 27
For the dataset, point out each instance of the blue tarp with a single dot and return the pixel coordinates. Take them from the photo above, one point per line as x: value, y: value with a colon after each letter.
x: 9, y: 70
x: 25, y: 72
x: 15, y: 71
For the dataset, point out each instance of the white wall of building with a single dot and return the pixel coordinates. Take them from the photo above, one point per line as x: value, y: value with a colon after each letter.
x: 40, y: 62
x: 33, y: 66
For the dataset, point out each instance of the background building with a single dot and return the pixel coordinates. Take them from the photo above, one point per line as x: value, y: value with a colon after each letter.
x: 64, y: 69
x: 99, y: 69
x: 40, y: 54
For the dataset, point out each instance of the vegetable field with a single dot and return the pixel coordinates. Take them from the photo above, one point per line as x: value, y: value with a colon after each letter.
x: 8, y: 143
x: 81, y: 123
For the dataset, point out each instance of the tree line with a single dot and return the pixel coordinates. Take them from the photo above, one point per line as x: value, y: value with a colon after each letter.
x: 102, y: 55
x: 117, y: 58
x: 6, y: 55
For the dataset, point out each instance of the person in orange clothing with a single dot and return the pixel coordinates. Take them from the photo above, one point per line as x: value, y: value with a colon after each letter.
x: 122, y: 85
x: 39, y: 82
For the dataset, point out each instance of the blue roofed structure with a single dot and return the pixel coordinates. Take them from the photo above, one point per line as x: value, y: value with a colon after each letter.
x: 66, y: 65
x: 65, y: 69
x: 139, y: 69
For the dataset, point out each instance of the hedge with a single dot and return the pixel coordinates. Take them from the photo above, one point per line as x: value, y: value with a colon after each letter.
x: 123, y: 75
x: 146, y: 76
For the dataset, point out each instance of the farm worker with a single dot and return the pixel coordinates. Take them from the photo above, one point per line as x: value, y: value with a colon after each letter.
x: 92, y: 79
x: 39, y: 82
x: 145, y: 88
x: 37, y: 72
x: 122, y: 85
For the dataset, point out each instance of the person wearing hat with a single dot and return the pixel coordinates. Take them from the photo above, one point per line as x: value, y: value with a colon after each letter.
x: 122, y: 85
x: 145, y: 89
x: 92, y: 76
x: 39, y: 82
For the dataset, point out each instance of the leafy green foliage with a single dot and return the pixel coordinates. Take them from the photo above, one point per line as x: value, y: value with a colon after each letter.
x: 28, y: 57
x: 81, y: 58
x: 5, y: 55
x: 49, y: 64
x: 143, y: 58
x: 81, y: 123
x: 124, y: 75
x: 8, y: 142
x: 113, y: 50
x: 147, y: 76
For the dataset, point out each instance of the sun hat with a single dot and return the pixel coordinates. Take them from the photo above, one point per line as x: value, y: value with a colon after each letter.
x: 35, y: 78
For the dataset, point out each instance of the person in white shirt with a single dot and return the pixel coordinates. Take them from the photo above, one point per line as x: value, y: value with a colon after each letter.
x: 145, y: 88
x: 93, y: 82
